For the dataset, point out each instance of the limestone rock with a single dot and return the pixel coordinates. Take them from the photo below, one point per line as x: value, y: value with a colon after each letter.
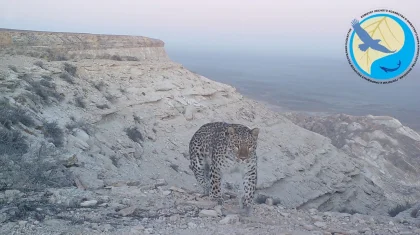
x: 208, y: 213
x: 230, y: 219
x: 89, y: 203
x: 320, y: 224
x: 127, y: 211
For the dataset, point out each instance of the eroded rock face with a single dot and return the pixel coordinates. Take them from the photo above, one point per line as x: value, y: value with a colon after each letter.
x: 388, y: 150
x: 326, y: 179
x: 154, y: 108
x: 64, y: 46
x: 130, y: 122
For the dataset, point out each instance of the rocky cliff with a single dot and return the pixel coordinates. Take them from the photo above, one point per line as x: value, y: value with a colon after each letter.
x: 389, y: 151
x: 62, y: 46
x: 96, y: 125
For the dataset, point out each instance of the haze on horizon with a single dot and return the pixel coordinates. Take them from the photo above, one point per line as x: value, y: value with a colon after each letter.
x: 304, y: 27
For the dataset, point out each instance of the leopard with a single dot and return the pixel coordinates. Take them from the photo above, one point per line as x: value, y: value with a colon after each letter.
x: 220, y: 148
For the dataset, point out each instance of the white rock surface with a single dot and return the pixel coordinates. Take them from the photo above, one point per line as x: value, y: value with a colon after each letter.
x: 303, y: 169
x: 208, y: 213
x: 229, y: 219
x: 387, y: 150
x: 89, y: 203
x: 134, y: 151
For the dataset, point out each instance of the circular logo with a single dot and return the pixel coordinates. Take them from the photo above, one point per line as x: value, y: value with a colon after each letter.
x: 382, y: 46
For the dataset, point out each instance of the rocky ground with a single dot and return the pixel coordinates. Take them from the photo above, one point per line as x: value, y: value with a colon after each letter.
x: 165, y: 209
x: 97, y: 143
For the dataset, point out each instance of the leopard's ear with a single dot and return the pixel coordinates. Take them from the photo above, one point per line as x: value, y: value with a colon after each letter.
x: 231, y: 130
x: 255, y: 132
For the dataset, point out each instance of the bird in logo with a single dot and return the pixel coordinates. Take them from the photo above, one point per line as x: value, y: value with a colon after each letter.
x: 368, y: 41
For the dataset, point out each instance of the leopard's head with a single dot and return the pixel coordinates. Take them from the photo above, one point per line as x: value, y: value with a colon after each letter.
x: 243, y: 142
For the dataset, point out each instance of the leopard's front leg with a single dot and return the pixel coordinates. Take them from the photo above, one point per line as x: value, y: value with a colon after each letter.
x: 249, y: 179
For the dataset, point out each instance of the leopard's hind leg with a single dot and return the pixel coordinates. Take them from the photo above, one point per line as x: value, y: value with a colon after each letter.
x: 200, y: 168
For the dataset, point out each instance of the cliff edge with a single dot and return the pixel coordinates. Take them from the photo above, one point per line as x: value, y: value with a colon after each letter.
x: 63, y: 46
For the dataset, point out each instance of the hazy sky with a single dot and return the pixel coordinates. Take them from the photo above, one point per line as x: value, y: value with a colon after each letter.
x: 303, y: 27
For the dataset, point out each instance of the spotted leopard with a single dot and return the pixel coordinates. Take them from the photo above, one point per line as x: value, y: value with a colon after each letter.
x: 218, y: 148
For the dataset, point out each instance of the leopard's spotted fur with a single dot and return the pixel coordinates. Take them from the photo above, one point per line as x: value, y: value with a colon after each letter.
x: 217, y: 148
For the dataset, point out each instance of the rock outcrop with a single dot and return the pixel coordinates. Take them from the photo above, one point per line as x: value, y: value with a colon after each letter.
x: 62, y: 46
x: 389, y: 151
